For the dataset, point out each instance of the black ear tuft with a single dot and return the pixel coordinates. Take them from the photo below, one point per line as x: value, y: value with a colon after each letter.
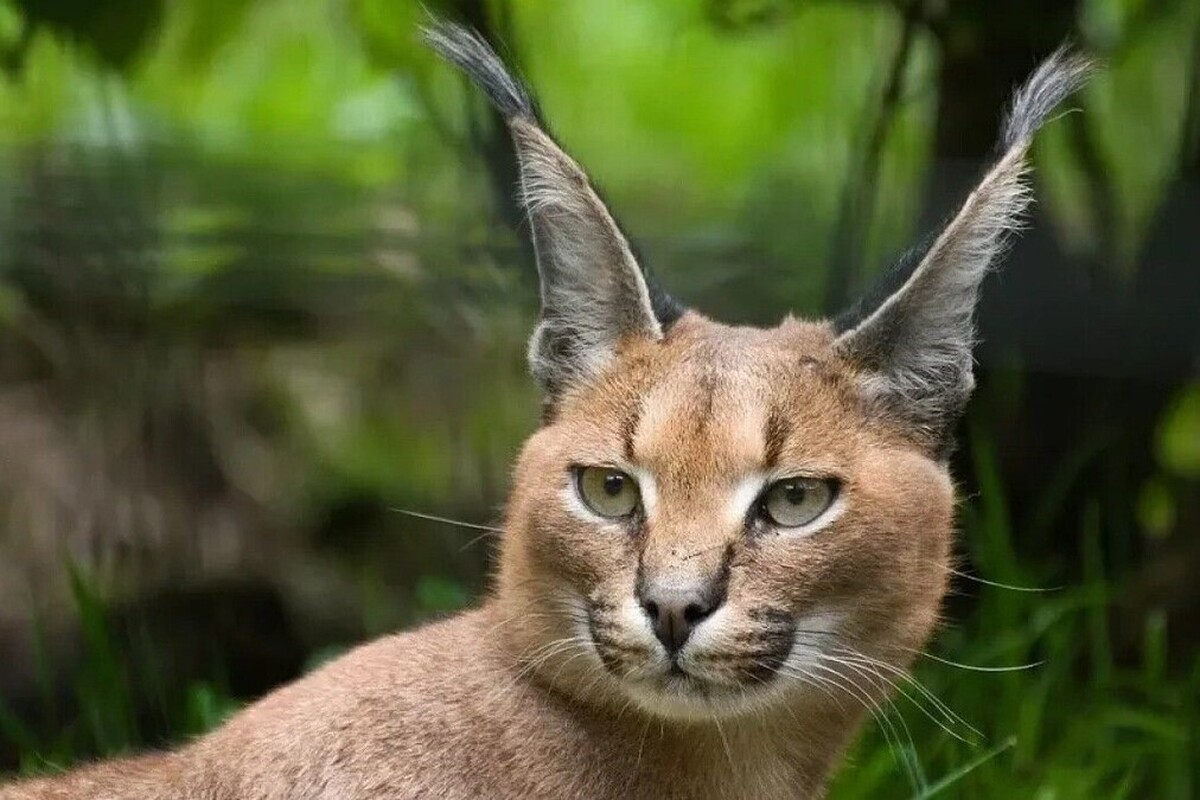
x: 467, y: 50
x: 911, y: 341
x: 594, y: 293
x: 1057, y: 78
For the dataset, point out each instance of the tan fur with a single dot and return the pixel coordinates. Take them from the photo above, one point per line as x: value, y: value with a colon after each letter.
x: 514, y: 700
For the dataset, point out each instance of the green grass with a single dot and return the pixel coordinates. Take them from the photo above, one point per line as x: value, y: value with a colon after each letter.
x: 110, y: 684
x: 1077, y: 725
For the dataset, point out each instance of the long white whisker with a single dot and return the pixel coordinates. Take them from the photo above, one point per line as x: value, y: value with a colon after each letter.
x: 977, y: 668
x: 937, y: 702
x: 808, y: 680
x: 890, y: 733
x: 724, y: 743
x: 916, y: 775
x: 447, y: 520
x: 997, y: 584
x: 862, y: 665
x: 905, y: 757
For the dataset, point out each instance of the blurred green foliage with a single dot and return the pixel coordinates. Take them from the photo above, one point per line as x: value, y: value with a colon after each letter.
x: 754, y: 107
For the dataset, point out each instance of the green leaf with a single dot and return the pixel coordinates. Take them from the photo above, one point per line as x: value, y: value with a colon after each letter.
x: 1179, y: 435
x: 960, y: 773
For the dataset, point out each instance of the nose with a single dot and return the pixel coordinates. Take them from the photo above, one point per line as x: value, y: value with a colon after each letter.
x: 674, y: 613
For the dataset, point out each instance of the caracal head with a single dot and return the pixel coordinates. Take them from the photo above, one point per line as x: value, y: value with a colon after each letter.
x: 718, y: 520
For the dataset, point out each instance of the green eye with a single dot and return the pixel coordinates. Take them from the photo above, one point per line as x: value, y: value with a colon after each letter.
x: 793, y: 502
x: 606, y: 491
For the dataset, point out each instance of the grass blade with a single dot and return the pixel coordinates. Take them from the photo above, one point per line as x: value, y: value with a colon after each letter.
x: 960, y: 773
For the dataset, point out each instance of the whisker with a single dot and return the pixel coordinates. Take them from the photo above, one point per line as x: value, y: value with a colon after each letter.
x: 937, y: 702
x: 724, y: 742
x: 637, y: 764
x: 997, y: 584
x: 564, y: 664
x: 531, y: 660
x: 860, y: 667
x: 971, y: 667
x: 804, y: 678
x: 446, y: 520
x: 834, y: 634
x: 890, y: 734
x: 978, y: 668
x: 475, y: 540
x: 905, y: 757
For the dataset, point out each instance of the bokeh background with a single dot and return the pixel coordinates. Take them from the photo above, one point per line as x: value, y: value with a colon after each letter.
x: 262, y: 285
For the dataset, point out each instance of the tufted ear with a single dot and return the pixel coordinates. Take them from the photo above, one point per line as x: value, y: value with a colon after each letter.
x: 594, y: 294
x: 912, y: 346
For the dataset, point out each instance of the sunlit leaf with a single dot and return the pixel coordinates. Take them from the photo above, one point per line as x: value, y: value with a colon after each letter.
x: 1179, y: 435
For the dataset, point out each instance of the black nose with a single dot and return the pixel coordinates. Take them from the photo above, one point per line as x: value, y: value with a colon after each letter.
x: 674, y: 613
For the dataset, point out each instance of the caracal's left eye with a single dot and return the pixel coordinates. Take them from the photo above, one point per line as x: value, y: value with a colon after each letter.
x: 794, y: 502
x: 606, y: 491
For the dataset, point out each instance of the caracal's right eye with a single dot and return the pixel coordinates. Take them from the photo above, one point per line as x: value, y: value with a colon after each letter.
x: 607, y: 491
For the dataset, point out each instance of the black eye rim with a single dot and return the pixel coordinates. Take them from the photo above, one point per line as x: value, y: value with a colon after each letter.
x: 577, y: 471
x: 760, y: 513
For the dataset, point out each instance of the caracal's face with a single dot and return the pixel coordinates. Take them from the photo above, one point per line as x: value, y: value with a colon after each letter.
x: 717, y: 524
x: 715, y: 520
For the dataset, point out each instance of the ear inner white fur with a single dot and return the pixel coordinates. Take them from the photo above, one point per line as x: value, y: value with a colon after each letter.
x: 914, y: 349
x: 593, y: 291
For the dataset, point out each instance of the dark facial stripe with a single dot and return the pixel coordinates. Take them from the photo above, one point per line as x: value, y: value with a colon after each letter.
x: 774, y: 437
x: 708, y: 390
x: 629, y: 430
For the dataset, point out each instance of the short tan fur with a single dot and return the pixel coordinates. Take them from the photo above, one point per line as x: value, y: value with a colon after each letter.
x: 722, y: 547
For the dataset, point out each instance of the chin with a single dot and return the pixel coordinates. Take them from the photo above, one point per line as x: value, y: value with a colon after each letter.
x: 690, y: 699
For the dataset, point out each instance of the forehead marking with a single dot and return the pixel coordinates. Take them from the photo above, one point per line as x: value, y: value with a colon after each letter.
x: 775, y: 435
x: 629, y: 426
x: 706, y: 414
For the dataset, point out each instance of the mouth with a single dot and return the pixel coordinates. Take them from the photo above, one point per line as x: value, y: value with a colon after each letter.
x: 700, y: 682
x: 678, y: 682
x: 724, y: 675
x: 691, y: 686
x: 743, y: 667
